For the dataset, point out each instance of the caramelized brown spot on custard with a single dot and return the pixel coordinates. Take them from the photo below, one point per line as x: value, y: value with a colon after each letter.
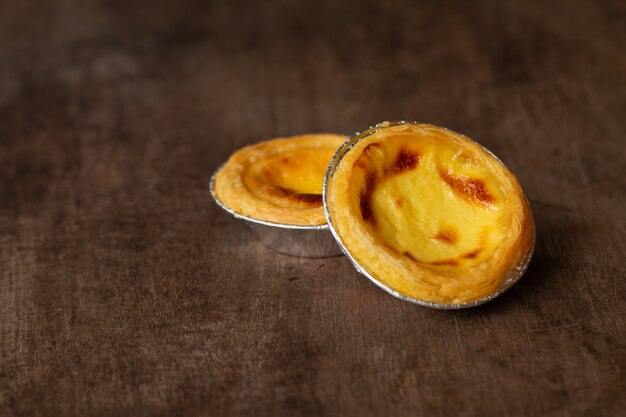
x: 366, y: 198
x: 471, y: 188
x: 399, y: 202
x: 315, y: 199
x: 276, y: 190
x: 447, y: 236
x: 472, y: 254
x: 406, y: 160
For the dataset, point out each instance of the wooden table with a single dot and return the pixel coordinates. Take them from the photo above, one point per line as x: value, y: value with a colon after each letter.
x: 125, y: 291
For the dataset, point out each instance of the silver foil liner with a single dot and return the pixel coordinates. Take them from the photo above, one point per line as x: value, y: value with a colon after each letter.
x: 290, y: 239
x: 507, y: 282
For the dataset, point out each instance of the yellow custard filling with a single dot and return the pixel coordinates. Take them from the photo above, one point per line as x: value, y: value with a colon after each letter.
x: 298, y: 174
x: 279, y: 180
x: 429, y: 213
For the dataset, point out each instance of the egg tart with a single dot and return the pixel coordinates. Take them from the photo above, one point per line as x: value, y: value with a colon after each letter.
x: 428, y: 214
x: 278, y: 181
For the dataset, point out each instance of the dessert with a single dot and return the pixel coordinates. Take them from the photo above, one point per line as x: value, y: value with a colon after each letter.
x: 429, y: 214
x: 278, y: 181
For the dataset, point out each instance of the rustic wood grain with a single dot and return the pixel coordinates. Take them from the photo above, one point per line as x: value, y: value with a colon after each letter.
x: 125, y: 291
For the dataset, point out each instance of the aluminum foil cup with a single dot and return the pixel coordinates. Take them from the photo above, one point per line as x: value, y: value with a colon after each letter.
x: 290, y: 239
x: 507, y: 282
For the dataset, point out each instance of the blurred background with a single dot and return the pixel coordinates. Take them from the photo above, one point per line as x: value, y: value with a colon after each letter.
x: 245, y: 71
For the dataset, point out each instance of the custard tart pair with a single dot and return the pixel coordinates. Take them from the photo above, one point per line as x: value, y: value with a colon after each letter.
x: 425, y: 213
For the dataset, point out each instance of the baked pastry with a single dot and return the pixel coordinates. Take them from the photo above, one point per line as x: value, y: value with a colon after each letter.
x: 429, y: 214
x: 279, y: 180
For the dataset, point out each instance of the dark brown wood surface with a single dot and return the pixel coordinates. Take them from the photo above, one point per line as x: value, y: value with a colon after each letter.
x: 125, y: 291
